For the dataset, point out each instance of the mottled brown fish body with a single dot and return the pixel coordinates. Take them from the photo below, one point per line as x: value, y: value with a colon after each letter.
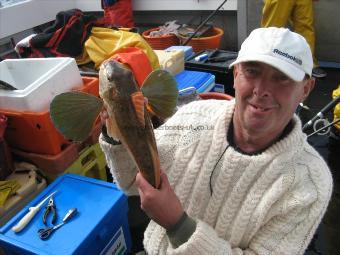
x: 117, y: 85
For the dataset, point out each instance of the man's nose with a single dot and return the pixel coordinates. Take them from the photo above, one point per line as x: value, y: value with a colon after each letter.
x: 262, y: 87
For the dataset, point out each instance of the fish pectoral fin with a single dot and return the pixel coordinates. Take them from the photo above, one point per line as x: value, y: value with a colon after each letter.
x: 139, y: 106
x: 160, y: 88
x: 74, y: 113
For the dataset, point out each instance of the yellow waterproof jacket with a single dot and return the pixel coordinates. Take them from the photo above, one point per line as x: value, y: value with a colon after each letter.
x: 103, y: 43
x: 297, y: 13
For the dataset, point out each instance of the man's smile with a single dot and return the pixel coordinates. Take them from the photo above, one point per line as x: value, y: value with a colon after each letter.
x: 260, y: 108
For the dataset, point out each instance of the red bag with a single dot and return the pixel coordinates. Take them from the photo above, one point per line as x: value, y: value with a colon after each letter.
x: 137, y: 60
x: 118, y: 13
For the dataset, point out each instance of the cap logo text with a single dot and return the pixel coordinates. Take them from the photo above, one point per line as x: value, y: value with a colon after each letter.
x: 285, y: 54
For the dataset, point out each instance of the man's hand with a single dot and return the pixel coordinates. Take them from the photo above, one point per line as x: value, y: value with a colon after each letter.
x: 103, y: 116
x: 161, y: 205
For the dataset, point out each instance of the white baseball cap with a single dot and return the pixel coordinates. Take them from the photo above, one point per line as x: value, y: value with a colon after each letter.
x: 281, y: 48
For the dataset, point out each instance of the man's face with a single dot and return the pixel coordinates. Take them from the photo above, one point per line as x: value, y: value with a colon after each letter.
x: 266, y: 98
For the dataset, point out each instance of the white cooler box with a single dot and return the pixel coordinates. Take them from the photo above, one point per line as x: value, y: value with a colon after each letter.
x: 37, y: 81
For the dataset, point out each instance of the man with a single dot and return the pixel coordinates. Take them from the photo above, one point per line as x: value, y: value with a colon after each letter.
x: 239, y: 177
x: 300, y: 14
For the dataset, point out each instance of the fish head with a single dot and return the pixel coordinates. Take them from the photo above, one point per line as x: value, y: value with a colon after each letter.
x: 116, y: 85
x: 114, y: 80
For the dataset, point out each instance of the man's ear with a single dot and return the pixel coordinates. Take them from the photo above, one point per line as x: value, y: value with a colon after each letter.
x: 308, y: 87
x: 235, y: 72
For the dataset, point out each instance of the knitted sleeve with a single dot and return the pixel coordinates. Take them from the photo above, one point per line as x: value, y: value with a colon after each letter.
x: 121, y: 165
x: 288, y: 232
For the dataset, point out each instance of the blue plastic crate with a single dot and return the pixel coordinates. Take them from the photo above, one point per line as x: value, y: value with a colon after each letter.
x: 218, y: 88
x: 201, y: 81
x: 100, y: 227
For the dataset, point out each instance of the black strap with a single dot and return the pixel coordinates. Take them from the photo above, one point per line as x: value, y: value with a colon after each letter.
x: 108, y: 138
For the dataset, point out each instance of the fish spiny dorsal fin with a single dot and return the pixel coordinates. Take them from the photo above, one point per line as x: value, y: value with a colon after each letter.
x: 160, y: 88
x: 74, y: 113
x: 138, y: 103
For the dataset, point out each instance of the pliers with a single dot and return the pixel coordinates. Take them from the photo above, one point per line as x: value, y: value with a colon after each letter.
x: 50, y: 208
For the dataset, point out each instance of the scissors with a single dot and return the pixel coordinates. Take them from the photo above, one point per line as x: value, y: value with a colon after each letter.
x: 44, y: 233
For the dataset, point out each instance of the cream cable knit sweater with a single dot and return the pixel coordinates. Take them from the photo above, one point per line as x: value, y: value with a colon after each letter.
x: 270, y: 203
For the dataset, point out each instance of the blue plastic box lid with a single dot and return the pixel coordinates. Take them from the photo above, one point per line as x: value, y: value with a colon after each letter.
x: 102, y: 213
x: 201, y: 81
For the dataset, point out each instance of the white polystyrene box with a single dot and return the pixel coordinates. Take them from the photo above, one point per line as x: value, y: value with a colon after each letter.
x: 37, y: 81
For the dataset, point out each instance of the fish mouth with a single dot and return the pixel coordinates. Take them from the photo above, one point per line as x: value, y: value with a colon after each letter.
x: 114, y: 70
x: 109, y: 68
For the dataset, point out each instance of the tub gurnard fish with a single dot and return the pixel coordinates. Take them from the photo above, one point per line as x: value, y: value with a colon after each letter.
x: 74, y: 113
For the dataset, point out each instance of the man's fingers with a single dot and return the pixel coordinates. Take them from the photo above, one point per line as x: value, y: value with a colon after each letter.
x: 142, y: 183
x: 164, y: 180
x: 103, y: 116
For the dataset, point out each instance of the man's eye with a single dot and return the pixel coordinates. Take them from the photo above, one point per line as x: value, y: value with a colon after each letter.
x: 251, y: 71
x: 282, y: 78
